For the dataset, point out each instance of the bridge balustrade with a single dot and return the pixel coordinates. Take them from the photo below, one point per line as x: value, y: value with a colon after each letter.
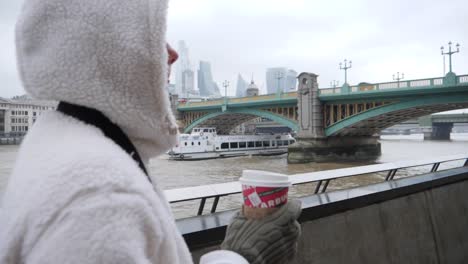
x: 203, y: 103
x: 265, y: 97
x: 321, y: 178
x: 393, y: 85
x: 463, y: 79
x: 329, y: 90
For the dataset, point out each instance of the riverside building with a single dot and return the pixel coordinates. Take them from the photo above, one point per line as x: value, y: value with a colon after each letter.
x: 19, y: 114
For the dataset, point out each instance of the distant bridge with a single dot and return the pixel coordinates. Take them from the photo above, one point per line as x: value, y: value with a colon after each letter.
x: 360, y: 110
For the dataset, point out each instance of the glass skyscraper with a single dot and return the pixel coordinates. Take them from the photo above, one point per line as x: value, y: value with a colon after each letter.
x: 206, y: 85
x: 241, y: 86
x: 282, y: 78
x: 185, y: 82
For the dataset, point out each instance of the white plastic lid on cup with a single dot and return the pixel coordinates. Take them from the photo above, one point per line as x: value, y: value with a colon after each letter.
x: 264, y: 179
x: 222, y: 256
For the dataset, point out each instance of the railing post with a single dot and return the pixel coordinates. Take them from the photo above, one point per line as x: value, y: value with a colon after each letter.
x: 318, y: 187
x: 215, y: 204
x: 391, y: 174
x: 202, y: 205
x: 325, y: 186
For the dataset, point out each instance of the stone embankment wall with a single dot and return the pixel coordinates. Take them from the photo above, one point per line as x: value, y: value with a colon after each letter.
x: 426, y: 227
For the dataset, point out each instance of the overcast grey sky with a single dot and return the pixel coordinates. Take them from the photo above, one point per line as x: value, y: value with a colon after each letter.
x: 248, y: 36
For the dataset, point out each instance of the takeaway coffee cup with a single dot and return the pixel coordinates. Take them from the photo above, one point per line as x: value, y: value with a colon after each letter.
x: 263, y: 192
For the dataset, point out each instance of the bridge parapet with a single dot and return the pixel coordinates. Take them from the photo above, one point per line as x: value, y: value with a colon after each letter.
x: 418, y: 83
x: 463, y: 79
x: 238, y: 100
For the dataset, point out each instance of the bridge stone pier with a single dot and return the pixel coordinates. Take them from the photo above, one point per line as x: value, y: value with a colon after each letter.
x: 438, y: 131
x: 312, y: 144
x: 434, y: 129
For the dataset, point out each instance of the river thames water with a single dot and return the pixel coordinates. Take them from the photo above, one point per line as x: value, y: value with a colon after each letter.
x: 176, y: 174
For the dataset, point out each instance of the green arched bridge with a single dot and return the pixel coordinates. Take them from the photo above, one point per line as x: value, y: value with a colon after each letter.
x: 360, y: 110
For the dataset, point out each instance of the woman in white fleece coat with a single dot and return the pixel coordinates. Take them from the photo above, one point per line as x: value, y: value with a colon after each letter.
x: 76, y: 195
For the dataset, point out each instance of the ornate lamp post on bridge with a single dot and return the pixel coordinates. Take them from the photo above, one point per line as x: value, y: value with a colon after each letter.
x: 345, y: 88
x: 225, y: 84
x: 398, y: 78
x: 450, y: 52
x: 450, y: 78
x: 334, y: 83
x: 345, y: 68
x: 279, y: 76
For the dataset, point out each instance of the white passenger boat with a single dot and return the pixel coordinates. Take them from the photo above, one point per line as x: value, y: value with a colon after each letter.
x: 204, y: 143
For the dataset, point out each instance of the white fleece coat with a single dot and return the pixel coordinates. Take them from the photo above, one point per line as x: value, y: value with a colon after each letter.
x: 74, y: 195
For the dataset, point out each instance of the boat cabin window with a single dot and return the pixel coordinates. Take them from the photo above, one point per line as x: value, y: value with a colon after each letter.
x: 205, y: 130
x: 258, y: 144
x: 285, y: 142
x: 242, y: 144
x: 198, y: 143
x: 266, y: 143
x: 273, y: 143
x: 250, y: 144
x: 185, y: 143
x: 279, y: 143
x: 224, y: 145
x: 234, y: 145
x: 291, y: 141
x: 192, y: 143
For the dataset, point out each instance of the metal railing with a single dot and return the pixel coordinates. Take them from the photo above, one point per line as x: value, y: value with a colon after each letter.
x: 322, y: 178
x: 430, y: 82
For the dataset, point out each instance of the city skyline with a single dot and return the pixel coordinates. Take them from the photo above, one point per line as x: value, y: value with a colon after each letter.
x: 244, y: 37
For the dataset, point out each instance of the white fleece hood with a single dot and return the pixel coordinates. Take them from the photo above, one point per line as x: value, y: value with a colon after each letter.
x: 109, y: 55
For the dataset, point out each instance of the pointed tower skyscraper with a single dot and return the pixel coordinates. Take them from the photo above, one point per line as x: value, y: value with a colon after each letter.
x: 241, y: 86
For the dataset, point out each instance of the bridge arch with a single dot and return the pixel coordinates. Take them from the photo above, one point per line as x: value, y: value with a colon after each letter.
x: 372, y: 121
x: 247, y: 114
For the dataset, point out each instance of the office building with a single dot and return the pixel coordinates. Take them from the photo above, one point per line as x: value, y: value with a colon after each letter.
x: 280, y: 78
x: 241, y: 86
x: 206, y: 85
x: 17, y: 115
x: 184, y: 75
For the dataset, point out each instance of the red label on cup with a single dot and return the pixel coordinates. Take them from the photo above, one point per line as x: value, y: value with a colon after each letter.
x: 264, y: 197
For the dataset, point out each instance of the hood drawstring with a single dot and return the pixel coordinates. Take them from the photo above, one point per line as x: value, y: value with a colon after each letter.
x: 112, y: 131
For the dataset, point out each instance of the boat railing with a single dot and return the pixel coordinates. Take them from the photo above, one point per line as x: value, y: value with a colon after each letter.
x: 321, y: 178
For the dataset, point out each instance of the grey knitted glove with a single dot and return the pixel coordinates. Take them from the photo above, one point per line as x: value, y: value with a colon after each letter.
x: 271, y: 240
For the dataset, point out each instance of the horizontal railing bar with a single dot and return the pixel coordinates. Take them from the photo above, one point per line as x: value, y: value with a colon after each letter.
x: 222, y: 189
